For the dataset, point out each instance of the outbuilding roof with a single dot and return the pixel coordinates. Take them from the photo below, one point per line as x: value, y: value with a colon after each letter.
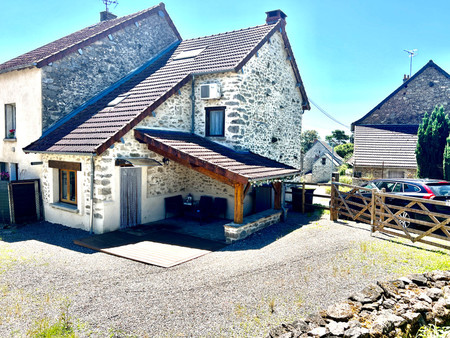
x: 57, y: 49
x: 98, y: 126
x: 198, y: 152
x: 409, y: 102
x: 385, y: 146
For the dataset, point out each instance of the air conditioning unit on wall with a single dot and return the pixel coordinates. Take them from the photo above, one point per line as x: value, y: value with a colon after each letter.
x: 210, y: 91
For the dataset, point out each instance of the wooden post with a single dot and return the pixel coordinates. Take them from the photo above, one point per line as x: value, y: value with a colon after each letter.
x: 238, y: 203
x: 277, y: 200
x: 303, y: 197
x: 333, y: 211
x: 383, y: 200
x: 372, y: 212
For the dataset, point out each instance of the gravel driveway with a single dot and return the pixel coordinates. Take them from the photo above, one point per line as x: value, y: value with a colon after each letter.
x: 279, y: 274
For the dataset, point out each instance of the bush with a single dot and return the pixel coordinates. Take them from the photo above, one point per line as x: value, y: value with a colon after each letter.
x: 344, y: 150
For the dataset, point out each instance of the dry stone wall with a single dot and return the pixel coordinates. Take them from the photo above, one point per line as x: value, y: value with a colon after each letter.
x: 387, y: 309
x: 73, y: 80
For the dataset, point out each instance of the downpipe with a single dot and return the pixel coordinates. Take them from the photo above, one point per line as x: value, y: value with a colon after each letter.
x: 91, y: 218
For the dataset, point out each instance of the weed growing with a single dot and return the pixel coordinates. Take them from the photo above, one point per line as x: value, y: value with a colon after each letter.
x: 399, y: 257
x: 63, y: 327
x: 432, y: 331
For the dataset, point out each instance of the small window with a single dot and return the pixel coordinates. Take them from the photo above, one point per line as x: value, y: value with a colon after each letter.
x: 324, y: 160
x: 10, y: 121
x: 215, y: 121
x: 68, y: 186
x: 410, y: 188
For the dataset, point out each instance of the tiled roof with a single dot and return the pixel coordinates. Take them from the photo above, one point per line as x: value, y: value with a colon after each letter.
x: 331, y: 152
x: 70, y: 43
x: 386, y: 145
x: 196, y: 151
x: 406, y: 105
x: 97, y: 127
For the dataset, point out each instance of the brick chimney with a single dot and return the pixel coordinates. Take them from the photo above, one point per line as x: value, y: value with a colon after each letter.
x: 405, y: 78
x: 105, y: 16
x: 275, y: 15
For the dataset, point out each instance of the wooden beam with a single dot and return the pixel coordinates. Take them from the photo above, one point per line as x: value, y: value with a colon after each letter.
x: 64, y: 165
x: 247, y: 188
x: 277, y: 201
x: 238, y: 203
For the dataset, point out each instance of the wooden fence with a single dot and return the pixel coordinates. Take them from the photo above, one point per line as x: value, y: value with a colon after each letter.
x: 305, y: 194
x: 416, y: 219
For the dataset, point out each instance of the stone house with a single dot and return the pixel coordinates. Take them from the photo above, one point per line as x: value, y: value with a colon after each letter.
x: 385, y: 138
x: 317, y: 162
x: 218, y: 115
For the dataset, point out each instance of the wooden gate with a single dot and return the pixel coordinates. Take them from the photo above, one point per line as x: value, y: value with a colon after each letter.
x: 130, y: 196
x: 417, y: 219
x: 24, y: 201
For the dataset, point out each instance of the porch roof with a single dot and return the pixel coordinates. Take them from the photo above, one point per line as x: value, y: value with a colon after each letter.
x: 213, y: 159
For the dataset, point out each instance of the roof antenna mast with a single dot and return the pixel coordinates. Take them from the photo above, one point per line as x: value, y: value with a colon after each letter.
x: 109, y: 3
x: 412, y: 53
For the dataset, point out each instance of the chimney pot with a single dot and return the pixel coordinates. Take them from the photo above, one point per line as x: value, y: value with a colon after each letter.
x: 105, y: 16
x: 405, y: 77
x: 275, y: 15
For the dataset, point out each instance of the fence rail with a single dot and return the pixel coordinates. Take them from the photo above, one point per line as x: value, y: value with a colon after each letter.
x: 413, y: 218
x: 304, y: 205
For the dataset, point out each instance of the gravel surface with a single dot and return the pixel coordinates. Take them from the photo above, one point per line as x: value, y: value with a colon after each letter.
x: 280, y: 274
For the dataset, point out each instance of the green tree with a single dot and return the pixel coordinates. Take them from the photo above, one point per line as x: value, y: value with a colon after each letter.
x: 446, y: 163
x: 337, y: 137
x: 307, y: 139
x: 344, y: 150
x: 431, y: 141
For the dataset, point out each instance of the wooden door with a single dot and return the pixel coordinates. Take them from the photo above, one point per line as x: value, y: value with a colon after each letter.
x: 130, y: 196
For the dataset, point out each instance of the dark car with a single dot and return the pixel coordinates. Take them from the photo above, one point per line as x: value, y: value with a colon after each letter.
x: 432, y: 189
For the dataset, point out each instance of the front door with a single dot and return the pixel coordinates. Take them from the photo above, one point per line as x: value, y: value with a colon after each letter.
x: 130, y: 196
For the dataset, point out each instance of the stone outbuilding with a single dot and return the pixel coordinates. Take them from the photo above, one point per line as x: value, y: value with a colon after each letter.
x: 385, y: 138
x: 219, y: 115
x: 320, y: 162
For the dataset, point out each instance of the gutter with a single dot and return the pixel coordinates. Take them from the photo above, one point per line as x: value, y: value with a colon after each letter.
x: 28, y: 65
x: 91, y: 218
x: 193, y: 105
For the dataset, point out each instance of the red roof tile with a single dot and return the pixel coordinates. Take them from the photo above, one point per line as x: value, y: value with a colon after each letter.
x: 194, y: 150
x: 70, y: 43
x: 97, y: 127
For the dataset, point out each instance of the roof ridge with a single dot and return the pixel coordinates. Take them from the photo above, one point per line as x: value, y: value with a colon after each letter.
x: 229, y: 32
x: 50, y: 50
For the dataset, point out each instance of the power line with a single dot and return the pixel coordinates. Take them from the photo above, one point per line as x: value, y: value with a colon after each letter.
x: 328, y: 115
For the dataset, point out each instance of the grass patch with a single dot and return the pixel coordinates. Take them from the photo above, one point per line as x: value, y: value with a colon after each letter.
x: 400, y: 257
x: 6, y: 259
x: 432, y: 331
x: 63, y: 327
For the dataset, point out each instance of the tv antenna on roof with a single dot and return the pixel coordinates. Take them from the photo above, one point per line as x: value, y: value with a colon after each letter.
x: 109, y: 3
x: 412, y: 53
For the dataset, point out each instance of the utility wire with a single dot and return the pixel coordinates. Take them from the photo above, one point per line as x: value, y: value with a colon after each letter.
x: 328, y: 115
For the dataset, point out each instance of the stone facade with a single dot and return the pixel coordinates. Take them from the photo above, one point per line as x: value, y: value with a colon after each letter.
x: 317, y: 161
x: 76, y: 78
x: 263, y: 115
x: 263, y: 105
x: 409, y: 104
x: 364, y: 174
x: 322, y: 169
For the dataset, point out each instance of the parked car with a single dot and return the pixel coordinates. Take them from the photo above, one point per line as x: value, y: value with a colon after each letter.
x: 431, y: 189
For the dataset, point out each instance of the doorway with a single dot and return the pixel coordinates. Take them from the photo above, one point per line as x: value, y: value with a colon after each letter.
x: 130, y: 196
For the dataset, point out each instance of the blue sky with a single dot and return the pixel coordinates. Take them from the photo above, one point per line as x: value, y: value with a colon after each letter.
x: 350, y: 53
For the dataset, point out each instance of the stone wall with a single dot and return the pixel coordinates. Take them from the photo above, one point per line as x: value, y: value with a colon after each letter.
x: 371, y: 173
x: 387, y: 309
x: 312, y: 155
x: 420, y: 95
x: 321, y: 172
x: 73, y: 80
x: 263, y: 105
x: 253, y: 223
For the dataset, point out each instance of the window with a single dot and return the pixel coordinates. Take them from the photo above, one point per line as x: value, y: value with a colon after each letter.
x: 10, y: 121
x: 324, y: 161
x: 68, y: 186
x: 215, y: 121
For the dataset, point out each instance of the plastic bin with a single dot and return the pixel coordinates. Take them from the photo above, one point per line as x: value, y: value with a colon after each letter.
x: 297, y: 198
